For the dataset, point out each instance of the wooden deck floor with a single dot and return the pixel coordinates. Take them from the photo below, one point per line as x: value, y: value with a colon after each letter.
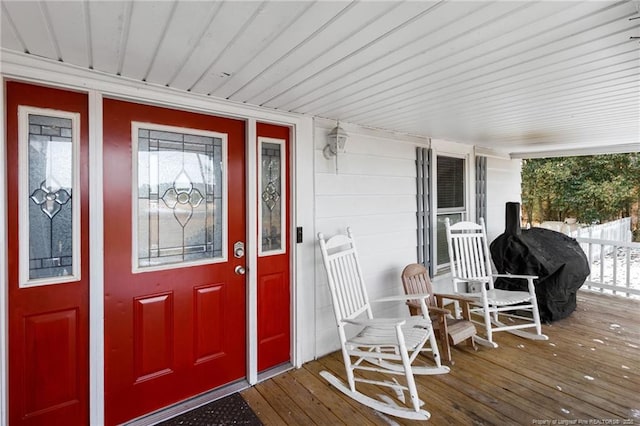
x: 587, y: 373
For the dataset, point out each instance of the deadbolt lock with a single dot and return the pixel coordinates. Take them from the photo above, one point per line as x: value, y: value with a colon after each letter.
x: 238, y: 249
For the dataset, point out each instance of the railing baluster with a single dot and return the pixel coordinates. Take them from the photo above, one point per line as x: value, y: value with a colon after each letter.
x: 601, y: 268
x: 628, y: 259
x: 590, y: 259
x: 615, y: 267
x: 614, y: 283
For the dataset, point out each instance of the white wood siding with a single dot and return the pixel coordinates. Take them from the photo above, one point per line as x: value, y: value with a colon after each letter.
x: 503, y: 185
x: 373, y: 190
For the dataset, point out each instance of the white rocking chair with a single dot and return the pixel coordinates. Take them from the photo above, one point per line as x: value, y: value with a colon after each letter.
x: 471, y: 264
x: 383, y: 345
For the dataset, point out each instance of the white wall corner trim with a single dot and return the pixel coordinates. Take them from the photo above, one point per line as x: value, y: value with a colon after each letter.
x: 488, y: 152
x: 450, y: 147
x: 303, y: 168
x: 4, y: 280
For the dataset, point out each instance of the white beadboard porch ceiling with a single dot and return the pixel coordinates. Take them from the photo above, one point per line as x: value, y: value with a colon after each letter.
x: 520, y: 77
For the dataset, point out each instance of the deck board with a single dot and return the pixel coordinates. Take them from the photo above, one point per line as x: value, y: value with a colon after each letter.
x: 588, y: 370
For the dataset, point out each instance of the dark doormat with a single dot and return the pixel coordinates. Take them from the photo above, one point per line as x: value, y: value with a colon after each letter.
x: 230, y: 410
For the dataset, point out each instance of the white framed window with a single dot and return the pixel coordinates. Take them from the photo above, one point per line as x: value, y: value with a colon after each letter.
x: 272, y: 183
x: 179, y: 193
x: 451, y: 200
x: 49, y: 196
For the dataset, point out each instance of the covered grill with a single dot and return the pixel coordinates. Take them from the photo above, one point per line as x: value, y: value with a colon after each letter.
x: 555, y: 258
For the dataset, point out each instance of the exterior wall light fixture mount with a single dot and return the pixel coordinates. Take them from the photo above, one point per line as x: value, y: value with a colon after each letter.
x: 336, y: 140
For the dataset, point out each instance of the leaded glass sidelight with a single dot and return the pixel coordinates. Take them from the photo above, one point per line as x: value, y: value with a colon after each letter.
x: 179, y: 197
x: 272, y: 195
x: 49, y: 196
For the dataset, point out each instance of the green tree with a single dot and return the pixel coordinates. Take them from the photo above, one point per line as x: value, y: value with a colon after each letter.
x: 595, y: 188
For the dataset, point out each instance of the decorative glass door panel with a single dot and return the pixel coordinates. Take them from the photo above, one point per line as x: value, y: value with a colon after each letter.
x: 181, y: 187
x: 272, y: 182
x: 49, y: 201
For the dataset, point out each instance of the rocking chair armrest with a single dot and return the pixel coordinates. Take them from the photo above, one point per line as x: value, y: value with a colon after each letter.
x: 439, y: 311
x: 475, y: 280
x: 530, y: 284
x: 465, y: 303
x: 524, y: 277
x: 458, y: 297
x: 378, y: 322
x: 401, y: 297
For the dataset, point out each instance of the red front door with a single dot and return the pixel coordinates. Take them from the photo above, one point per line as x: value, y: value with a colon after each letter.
x: 174, y: 196
x: 48, y: 233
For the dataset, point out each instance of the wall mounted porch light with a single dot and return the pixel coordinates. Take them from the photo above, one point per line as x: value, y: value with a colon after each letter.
x: 336, y: 140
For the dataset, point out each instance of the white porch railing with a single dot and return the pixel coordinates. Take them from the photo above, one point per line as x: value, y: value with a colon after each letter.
x: 615, y: 266
x: 616, y: 230
x: 613, y: 259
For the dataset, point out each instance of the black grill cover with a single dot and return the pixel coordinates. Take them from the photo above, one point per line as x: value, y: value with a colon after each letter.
x: 555, y: 258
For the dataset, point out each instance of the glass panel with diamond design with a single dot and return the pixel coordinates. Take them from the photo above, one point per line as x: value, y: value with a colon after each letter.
x: 179, y: 197
x: 50, y: 190
x: 271, y: 196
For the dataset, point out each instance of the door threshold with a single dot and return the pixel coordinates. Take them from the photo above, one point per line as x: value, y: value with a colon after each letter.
x: 274, y: 371
x: 176, y: 409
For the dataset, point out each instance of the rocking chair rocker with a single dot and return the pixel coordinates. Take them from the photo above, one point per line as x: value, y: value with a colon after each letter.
x: 471, y: 264
x: 382, y: 345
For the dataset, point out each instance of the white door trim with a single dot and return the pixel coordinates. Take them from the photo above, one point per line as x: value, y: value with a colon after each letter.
x: 4, y: 279
x: 96, y: 265
x: 252, y: 253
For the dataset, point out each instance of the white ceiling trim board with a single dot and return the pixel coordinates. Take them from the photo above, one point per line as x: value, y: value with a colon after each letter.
x: 230, y: 44
x: 295, y: 49
x: 268, y: 43
x: 89, y: 39
x: 566, y: 152
x: 352, y: 54
x: 48, y: 72
x: 213, y: 13
x: 327, y: 49
x: 124, y: 35
x: 163, y: 33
